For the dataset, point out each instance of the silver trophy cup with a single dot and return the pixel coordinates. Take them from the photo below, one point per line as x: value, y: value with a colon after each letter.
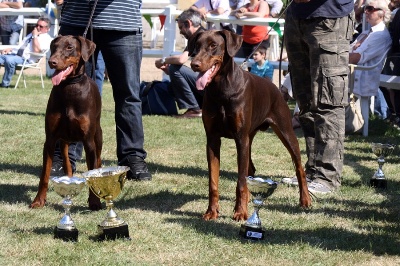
x: 107, y: 183
x: 381, y: 151
x: 67, y: 187
x: 260, y: 190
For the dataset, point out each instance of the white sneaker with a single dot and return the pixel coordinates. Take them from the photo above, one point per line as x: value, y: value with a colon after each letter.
x: 318, y: 188
x: 292, y: 181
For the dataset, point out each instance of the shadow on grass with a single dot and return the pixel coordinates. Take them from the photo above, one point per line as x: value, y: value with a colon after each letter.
x: 13, y: 112
x: 11, y: 194
x: 327, y: 238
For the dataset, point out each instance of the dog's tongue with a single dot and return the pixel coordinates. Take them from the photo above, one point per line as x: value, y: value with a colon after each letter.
x: 60, y: 75
x: 203, y: 79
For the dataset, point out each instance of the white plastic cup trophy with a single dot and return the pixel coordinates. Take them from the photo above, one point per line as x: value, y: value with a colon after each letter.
x: 67, y: 187
x: 260, y: 189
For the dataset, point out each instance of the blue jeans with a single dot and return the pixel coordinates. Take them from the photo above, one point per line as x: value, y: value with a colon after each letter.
x: 99, y: 72
x: 183, y: 85
x: 9, y: 37
x: 122, y: 52
x: 381, y: 107
x: 9, y: 61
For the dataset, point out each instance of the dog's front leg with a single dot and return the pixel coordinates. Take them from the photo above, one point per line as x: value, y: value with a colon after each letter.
x: 213, y: 159
x: 242, y: 193
x: 48, y: 152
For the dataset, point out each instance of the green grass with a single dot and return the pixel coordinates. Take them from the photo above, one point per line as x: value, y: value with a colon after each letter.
x: 358, y: 225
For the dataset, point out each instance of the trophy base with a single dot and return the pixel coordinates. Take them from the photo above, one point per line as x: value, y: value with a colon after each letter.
x: 378, y: 183
x: 66, y: 235
x: 113, y: 233
x: 251, y: 232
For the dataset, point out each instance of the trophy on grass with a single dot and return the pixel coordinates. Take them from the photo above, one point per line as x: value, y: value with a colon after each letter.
x: 260, y: 189
x: 107, y: 183
x: 382, y: 151
x: 67, y: 187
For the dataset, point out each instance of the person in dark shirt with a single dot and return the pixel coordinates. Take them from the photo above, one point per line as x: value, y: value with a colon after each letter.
x: 117, y: 33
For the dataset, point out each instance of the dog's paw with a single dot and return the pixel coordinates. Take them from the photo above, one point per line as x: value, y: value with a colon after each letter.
x: 305, y: 201
x: 37, y: 203
x: 239, y: 216
x: 210, y: 215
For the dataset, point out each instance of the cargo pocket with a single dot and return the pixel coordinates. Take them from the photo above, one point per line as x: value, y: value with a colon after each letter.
x: 334, y: 86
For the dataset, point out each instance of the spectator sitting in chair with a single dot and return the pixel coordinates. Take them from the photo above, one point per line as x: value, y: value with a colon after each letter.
x: 37, y: 41
x: 183, y: 78
x: 368, y: 49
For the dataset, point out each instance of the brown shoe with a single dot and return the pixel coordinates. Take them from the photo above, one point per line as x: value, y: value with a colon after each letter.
x: 190, y: 113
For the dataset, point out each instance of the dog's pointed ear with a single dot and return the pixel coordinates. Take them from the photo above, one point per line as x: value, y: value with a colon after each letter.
x: 87, y: 48
x: 192, y: 43
x: 233, y: 42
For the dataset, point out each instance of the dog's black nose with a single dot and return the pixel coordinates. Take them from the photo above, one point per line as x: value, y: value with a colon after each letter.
x: 52, y: 62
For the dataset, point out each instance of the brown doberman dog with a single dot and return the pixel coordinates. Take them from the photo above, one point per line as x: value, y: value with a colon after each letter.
x: 73, y: 111
x: 236, y: 105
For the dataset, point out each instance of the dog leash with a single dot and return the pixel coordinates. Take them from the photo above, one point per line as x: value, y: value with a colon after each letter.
x: 243, y: 65
x: 89, y: 25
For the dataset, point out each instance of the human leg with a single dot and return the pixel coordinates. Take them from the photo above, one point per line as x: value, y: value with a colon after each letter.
x: 99, y: 72
x: 183, y: 85
x: 5, y: 37
x: 10, y: 61
x: 322, y: 99
x: 122, y: 53
x: 14, y: 37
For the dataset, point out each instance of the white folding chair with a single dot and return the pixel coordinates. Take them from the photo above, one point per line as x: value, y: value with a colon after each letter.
x: 26, y: 65
x: 364, y: 101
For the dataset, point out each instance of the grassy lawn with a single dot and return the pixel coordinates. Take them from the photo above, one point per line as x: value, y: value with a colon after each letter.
x: 358, y: 225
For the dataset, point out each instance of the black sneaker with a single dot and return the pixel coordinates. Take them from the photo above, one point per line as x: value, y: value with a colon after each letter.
x: 138, y: 169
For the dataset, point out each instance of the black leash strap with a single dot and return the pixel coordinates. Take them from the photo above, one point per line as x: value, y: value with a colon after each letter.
x: 91, y: 35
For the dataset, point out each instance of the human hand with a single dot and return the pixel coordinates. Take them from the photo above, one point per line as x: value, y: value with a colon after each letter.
x: 158, y: 63
x: 6, y: 51
x: 165, y: 68
x: 59, y: 2
x: 35, y: 32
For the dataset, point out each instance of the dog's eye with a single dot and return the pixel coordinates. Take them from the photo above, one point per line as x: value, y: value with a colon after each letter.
x: 70, y: 47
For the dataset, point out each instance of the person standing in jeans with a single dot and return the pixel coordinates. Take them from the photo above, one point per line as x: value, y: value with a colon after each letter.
x: 317, y: 38
x: 117, y: 33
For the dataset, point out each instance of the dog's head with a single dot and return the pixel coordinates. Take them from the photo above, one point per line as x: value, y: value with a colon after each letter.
x: 68, y: 56
x: 211, y: 51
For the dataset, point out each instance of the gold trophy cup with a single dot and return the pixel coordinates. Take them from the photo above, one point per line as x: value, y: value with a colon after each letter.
x: 107, y: 183
x: 68, y: 188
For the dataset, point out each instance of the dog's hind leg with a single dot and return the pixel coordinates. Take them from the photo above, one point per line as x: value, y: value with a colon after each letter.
x: 66, y: 163
x: 285, y: 132
x: 92, y: 161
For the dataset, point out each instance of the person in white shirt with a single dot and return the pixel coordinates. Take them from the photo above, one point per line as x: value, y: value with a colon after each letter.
x: 367, y: 50
x: 37, y: 41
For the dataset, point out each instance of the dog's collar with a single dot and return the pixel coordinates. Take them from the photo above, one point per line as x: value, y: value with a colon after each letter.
x: 74, y: 80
